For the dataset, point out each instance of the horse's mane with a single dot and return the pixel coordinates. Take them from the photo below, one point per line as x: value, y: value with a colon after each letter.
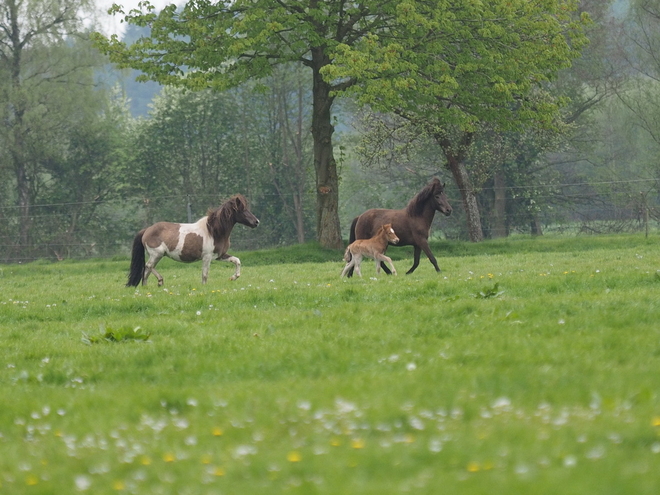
x: 219, y: 220
x: 416, y: 205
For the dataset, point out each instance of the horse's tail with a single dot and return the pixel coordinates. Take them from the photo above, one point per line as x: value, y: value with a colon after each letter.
x: 137, y: 261
x: 351, y: 235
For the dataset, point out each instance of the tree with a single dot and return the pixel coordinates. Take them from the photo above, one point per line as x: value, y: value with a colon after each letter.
x: 191, y: 147
x: 79, y: 180
x: 37, y: 59
x: 641, y: 47
x: 223, y: 44
x: 285, y: 143
x: 449, y: 67
x: 201, y: 146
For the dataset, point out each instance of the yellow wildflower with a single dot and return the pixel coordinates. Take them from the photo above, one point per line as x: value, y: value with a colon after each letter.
x: 294, y: 456
x: 357, y: 443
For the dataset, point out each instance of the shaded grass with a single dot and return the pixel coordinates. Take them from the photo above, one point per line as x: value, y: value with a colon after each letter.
x: 292, y: 380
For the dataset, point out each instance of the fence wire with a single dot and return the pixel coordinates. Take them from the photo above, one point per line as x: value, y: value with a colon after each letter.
x: 105, y: 229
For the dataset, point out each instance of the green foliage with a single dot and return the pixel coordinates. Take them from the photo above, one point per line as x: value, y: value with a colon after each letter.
x: 208, y: 146
x: 487, y: 66
x: 489, y: 292
x: 62, y: 132
x: 123, y: 334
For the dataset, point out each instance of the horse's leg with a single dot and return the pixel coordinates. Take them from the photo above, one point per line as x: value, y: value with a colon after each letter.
x: 424, y: 244
x: 377, y: 260
x: 386, y: 259
x: 206, y: 266
x: 236, y: 262
x: 150, y: 267
x: 416, y: 252
x: 158, y: 277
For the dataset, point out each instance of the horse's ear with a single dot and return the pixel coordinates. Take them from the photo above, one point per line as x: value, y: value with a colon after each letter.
x: 241, y: 202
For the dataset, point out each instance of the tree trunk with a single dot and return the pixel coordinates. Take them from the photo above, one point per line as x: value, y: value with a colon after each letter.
x: 473, y: 218
x: 17, y: 145
x: 327, y: 182
x: 300, y: 167
x: 24, y: 203
x: 455, y: 154
x: 499, y: 210
x: 300, y: 223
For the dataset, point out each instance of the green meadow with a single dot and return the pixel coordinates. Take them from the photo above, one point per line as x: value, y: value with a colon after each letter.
x: 528, y: 366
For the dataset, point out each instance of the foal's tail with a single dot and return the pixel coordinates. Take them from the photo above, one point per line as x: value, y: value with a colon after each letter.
x: 347, y: 255
x: 137, y: 261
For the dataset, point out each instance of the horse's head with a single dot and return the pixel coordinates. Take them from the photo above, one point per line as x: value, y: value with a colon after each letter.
x: 241, y: 212
x: 440, y: 200
x: 389, y: 233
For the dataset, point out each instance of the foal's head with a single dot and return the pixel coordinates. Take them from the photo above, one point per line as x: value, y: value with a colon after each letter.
x: 389, y: 233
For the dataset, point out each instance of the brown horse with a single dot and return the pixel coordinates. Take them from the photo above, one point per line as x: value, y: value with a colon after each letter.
x: 207, y: 239
x: 373, y: 248
x: 411, y: 224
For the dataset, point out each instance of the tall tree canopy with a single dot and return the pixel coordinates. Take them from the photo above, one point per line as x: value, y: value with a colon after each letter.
x: 45, y: 73
x: 222, y: 44
x: 454, y: 65
x: 454, y: 62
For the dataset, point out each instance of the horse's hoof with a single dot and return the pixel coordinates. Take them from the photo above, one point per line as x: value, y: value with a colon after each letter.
x: 233, y: 277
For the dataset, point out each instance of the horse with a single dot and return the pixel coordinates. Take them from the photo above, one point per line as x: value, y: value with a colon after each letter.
x: 373, y: 248
x: 207, y: 239
x: 412, y: 223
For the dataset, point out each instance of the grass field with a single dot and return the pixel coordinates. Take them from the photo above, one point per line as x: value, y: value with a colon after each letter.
x: 529, y: 366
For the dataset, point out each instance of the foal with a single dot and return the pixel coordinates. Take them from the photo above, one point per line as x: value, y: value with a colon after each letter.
x: 372, y: 248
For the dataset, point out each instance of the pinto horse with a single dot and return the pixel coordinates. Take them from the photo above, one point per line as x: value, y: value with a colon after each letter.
x: 411, y: 224
x: 373, y: 248
x: 207, y: 239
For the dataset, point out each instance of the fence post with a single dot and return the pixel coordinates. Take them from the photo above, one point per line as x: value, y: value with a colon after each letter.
x: 645, y: 214
x: 189, y: 208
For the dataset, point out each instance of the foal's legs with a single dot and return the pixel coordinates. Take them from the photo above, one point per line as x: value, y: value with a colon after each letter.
x: 236, y: 262
x: 356, y: 259
x: 346, y: 268
x: 349, y: 266
x: 381, y: 258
